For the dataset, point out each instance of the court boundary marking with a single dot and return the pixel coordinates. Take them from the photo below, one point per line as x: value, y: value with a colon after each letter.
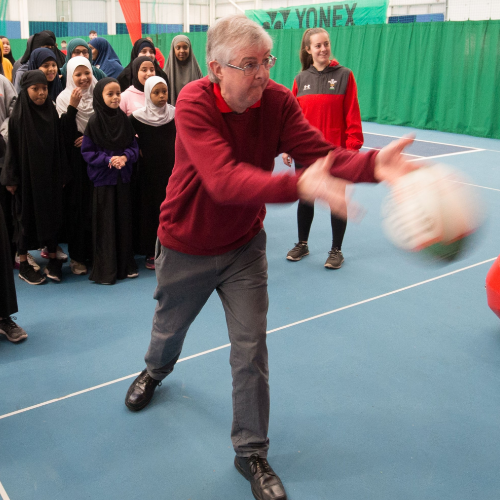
x: 432, y: 142
x: 333, y: 311
x: 478, y: 186
x: 3, y: 493
x: 448, y: 154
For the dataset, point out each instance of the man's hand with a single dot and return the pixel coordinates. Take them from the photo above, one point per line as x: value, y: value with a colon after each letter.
x: 11, y: 189
x: 317, y: 183
x: 390, y: 164
x: 287, y: 159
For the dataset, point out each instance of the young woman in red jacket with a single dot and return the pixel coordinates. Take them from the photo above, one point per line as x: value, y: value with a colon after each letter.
x: 327, y: 94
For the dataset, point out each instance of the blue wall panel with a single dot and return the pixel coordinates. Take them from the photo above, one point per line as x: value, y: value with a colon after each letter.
x: 10, y: 29
x: 83, y: 29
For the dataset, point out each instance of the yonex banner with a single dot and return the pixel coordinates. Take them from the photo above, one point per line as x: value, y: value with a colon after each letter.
x: 325, y: 15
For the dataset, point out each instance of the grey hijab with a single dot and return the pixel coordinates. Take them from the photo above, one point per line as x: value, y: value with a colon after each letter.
x: 180, y: 73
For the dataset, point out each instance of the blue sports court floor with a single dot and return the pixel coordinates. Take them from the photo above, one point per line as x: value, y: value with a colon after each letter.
x: 385, y: 374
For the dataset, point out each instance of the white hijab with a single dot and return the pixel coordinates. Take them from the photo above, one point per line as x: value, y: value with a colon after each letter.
x: 85, y: 108
x: 151, y: 114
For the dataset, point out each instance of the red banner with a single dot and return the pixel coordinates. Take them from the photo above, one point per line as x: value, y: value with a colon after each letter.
x: 132, y: 12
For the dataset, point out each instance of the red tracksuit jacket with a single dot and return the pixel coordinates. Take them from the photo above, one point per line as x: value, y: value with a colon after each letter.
x: 329, y: 100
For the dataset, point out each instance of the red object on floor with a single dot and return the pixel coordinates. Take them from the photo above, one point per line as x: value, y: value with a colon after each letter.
x: 132, y: 12
x: 493, y: 287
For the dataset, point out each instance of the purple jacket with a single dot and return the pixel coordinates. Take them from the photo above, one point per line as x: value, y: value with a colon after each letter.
x: 97, y: 159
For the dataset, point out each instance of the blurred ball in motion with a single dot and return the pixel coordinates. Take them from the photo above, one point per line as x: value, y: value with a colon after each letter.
x: 432, y: 211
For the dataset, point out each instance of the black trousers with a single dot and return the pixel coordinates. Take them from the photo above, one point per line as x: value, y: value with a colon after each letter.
x: 112, y: 233
x: 8, y: 297
x: 305, y: 216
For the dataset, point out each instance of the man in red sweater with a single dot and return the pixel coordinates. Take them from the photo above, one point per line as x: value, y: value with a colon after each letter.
x: 230, y: 127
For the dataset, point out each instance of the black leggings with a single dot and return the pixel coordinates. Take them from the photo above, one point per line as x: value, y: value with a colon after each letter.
x: 305, y: 216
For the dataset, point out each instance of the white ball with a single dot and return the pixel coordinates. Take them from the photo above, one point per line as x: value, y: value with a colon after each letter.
x: 432, y: 210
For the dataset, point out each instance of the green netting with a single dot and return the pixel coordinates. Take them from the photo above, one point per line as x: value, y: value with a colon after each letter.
x: 440, y: 76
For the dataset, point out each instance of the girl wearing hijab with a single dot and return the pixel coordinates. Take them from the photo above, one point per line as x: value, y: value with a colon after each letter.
x: 155, y: 127
x: 7, y: 51
x: 44, y: 39
x: 133, y: 98
x: 104, y: 57
x: 75, y: 107
x: 79, y: 47
x: 34, y: 172
x: 5, y: 64
x: 110, y: 149
x: 45, y: 60
x: 142, y: 47
x: 182, y: 66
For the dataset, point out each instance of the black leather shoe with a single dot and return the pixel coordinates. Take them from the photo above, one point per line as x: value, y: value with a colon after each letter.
x: 266, y: 485
x: 141, y: 391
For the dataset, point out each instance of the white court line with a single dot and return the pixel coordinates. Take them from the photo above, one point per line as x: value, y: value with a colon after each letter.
x: 477, y: 186
x: 406, y: 154
x: 449, y: 154
x: 3, y: 493
x: 270, y: 331
x: 422, y: 140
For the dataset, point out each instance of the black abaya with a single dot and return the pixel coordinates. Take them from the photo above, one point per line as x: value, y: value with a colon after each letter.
x: 8, y: 298
x: 36, y: 163
x: 112, y: 234
x: 157, y: 145
x: 77, y: 193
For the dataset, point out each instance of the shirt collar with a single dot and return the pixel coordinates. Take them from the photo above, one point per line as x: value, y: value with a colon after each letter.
x: 222, y: 104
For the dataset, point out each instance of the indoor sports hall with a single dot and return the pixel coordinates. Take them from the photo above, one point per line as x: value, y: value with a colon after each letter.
x: 384, y: 374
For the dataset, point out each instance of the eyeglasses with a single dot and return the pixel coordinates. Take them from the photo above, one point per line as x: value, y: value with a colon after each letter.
x: 252, y: 68
x: 83, y: 53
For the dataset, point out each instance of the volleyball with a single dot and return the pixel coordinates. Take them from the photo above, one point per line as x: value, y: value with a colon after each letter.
x: 433, y: 211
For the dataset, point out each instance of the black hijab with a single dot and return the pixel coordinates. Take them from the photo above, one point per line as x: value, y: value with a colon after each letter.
x: 136, y: 66
x: 108, y: 128
x: 37, y: 58
x: 125, y: 77
x: 9, y: 56
x: 34, y: 162
x: 37, y: 41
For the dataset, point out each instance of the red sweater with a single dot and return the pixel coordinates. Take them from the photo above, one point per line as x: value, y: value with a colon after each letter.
x: 222, y: 176
x: 329, y: 100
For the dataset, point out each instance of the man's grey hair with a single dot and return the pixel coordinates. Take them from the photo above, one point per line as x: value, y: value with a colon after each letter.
x: 231, y: 34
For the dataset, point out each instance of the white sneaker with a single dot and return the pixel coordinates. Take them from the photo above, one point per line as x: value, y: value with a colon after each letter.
x: 31, y: 262
x: 60, y: 255
x: 77, y: 267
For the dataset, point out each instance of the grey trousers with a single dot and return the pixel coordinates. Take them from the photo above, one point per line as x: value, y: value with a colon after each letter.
x: 185, y: 282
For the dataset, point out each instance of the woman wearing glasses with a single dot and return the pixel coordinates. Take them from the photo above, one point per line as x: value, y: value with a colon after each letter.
x: 328, y: 97
x: 79, y: 47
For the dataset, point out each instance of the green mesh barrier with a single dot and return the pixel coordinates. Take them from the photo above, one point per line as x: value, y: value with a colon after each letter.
x: 441, y: 76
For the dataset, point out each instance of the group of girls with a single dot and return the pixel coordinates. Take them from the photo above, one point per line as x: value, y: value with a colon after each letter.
x: 87, y: 161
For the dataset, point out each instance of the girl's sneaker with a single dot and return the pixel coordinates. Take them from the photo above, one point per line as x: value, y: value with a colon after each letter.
x: 31, y: 261
x: 54, y: 269
x: 28, y: 274
x: 133, y: 273
x: 59, y: 254
x: 150, y: 262
x: 77, y: 267
x: 12, y: 330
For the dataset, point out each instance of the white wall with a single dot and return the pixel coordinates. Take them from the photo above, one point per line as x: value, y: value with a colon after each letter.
x: 42, y: 10
x: 473, y: 10
x: 88, y: 11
